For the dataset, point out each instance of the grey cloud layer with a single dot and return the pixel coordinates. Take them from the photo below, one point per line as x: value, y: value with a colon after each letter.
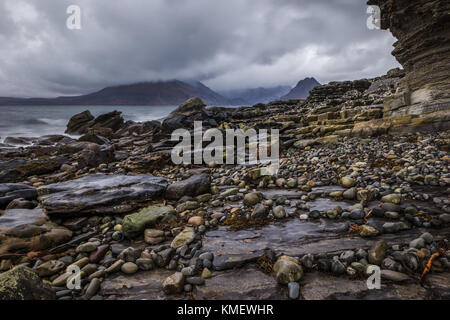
x: 226, y: 44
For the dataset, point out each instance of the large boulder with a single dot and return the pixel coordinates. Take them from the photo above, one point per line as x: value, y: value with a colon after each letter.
x: 19, y: 169
x: 80, y: 122
x: 22, y: 283
x: 134, y: 224
x: 193, y: 186
x: 190, y: 107
x: 185, y: 237
x: 11, y: 191
x: 101, y: 193
x: 94, y: 155
x: 29, y: 230
x: 287, y: 269
x: 189, y: 111
x: 85, y: 122
x: 112, y: 120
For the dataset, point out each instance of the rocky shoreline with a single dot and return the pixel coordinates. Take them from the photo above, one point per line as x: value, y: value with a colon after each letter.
x: 346, y: 197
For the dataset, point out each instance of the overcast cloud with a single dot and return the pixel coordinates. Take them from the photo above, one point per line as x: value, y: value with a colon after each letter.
x: 226, y: 44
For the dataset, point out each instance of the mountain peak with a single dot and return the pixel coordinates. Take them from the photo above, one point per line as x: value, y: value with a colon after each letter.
x: 302, y: 89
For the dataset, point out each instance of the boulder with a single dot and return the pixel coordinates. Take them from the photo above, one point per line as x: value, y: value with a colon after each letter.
x: 101, y: 193
x: 252, y: 198
x: 377, y: 252
x: 112, y: 120
x: 287, y: 269
x: 193, y: 186
x: 84, y: 122
x: 20, y: 169
x: 29, y: 230
x: 22, y: 283
x: 173, y: 284
x: 134, y: 224
x: 189, y: 107
x: 11, y: 191
x: 183, y: 238
x: 79, y: 123
x: 184, y: 116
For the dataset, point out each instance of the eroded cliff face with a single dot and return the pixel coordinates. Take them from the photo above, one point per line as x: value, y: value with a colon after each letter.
x: 422, y: 28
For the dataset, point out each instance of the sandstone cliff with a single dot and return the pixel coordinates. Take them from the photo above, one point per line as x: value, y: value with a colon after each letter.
x: 422, y: 28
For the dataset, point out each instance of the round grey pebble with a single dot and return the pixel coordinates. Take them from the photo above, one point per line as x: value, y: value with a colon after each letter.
x: 294, y: 290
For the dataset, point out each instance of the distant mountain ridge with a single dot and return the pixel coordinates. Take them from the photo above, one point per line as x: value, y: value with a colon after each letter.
x: 302, y: 89
x: 256, y: 95
x: 172, y: 92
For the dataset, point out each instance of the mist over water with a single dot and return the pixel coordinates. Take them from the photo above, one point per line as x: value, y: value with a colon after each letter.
x: 35, y: 121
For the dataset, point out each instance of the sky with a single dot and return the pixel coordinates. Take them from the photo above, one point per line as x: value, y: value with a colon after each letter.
x: 227, y: 45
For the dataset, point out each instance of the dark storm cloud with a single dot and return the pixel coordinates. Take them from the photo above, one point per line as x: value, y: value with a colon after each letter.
x: 226, y: 44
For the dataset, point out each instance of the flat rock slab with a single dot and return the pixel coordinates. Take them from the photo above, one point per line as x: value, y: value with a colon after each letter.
x: 19, y: 169
x: 140, y: 286
x: 100, y: 193
x: 295, y: 238
x: 247, y: 283
x: 241, y: 284
x: 11, y: 191
x: 17, y: 217
x: 29, y: 230
x: 320, y: 286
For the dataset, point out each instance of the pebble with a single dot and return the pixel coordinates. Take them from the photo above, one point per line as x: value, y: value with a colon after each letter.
x: 294, y: 290
x: 198, y: 281
x: 92, y: 289
x: 418, y: 243
x: 279, y: 212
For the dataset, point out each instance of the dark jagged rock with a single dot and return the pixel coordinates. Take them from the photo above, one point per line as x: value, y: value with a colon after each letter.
x: 94, y: 155
x: 79, y: 123
x: 100, y: 193
x: 112, y: 120
x: 85, y: 122
x: 90, y: 137
x: 22, y: 283
x: 193, y: 186
x: 19, y: 169
x: 184, y: 116
x: 11, y: 191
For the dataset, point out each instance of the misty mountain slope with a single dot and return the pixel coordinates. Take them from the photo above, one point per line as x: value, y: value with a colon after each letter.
x: 256, y: 95
x: 172, y: 92
x: 302, y: 89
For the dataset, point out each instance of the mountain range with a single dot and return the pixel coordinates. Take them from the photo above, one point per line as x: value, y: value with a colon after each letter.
x: 172, y: 92
x: 302, y: 89
x: 256, y: 95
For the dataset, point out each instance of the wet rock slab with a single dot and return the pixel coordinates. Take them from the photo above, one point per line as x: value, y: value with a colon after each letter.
x: 100, y: 193
x: 140, y: 286
x: 232, y: 249
x: 28, y: 230
x: 320, y: 286
x: 241, y: 284
x: 11, y: 191
x: 18, y: 169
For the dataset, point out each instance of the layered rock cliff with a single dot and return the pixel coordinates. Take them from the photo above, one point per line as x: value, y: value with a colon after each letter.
x: 422, y: 28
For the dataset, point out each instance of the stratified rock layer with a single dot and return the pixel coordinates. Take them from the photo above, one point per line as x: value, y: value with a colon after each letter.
x: 100, y: 193
x: 422, y: 28
x: 23, y: 230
